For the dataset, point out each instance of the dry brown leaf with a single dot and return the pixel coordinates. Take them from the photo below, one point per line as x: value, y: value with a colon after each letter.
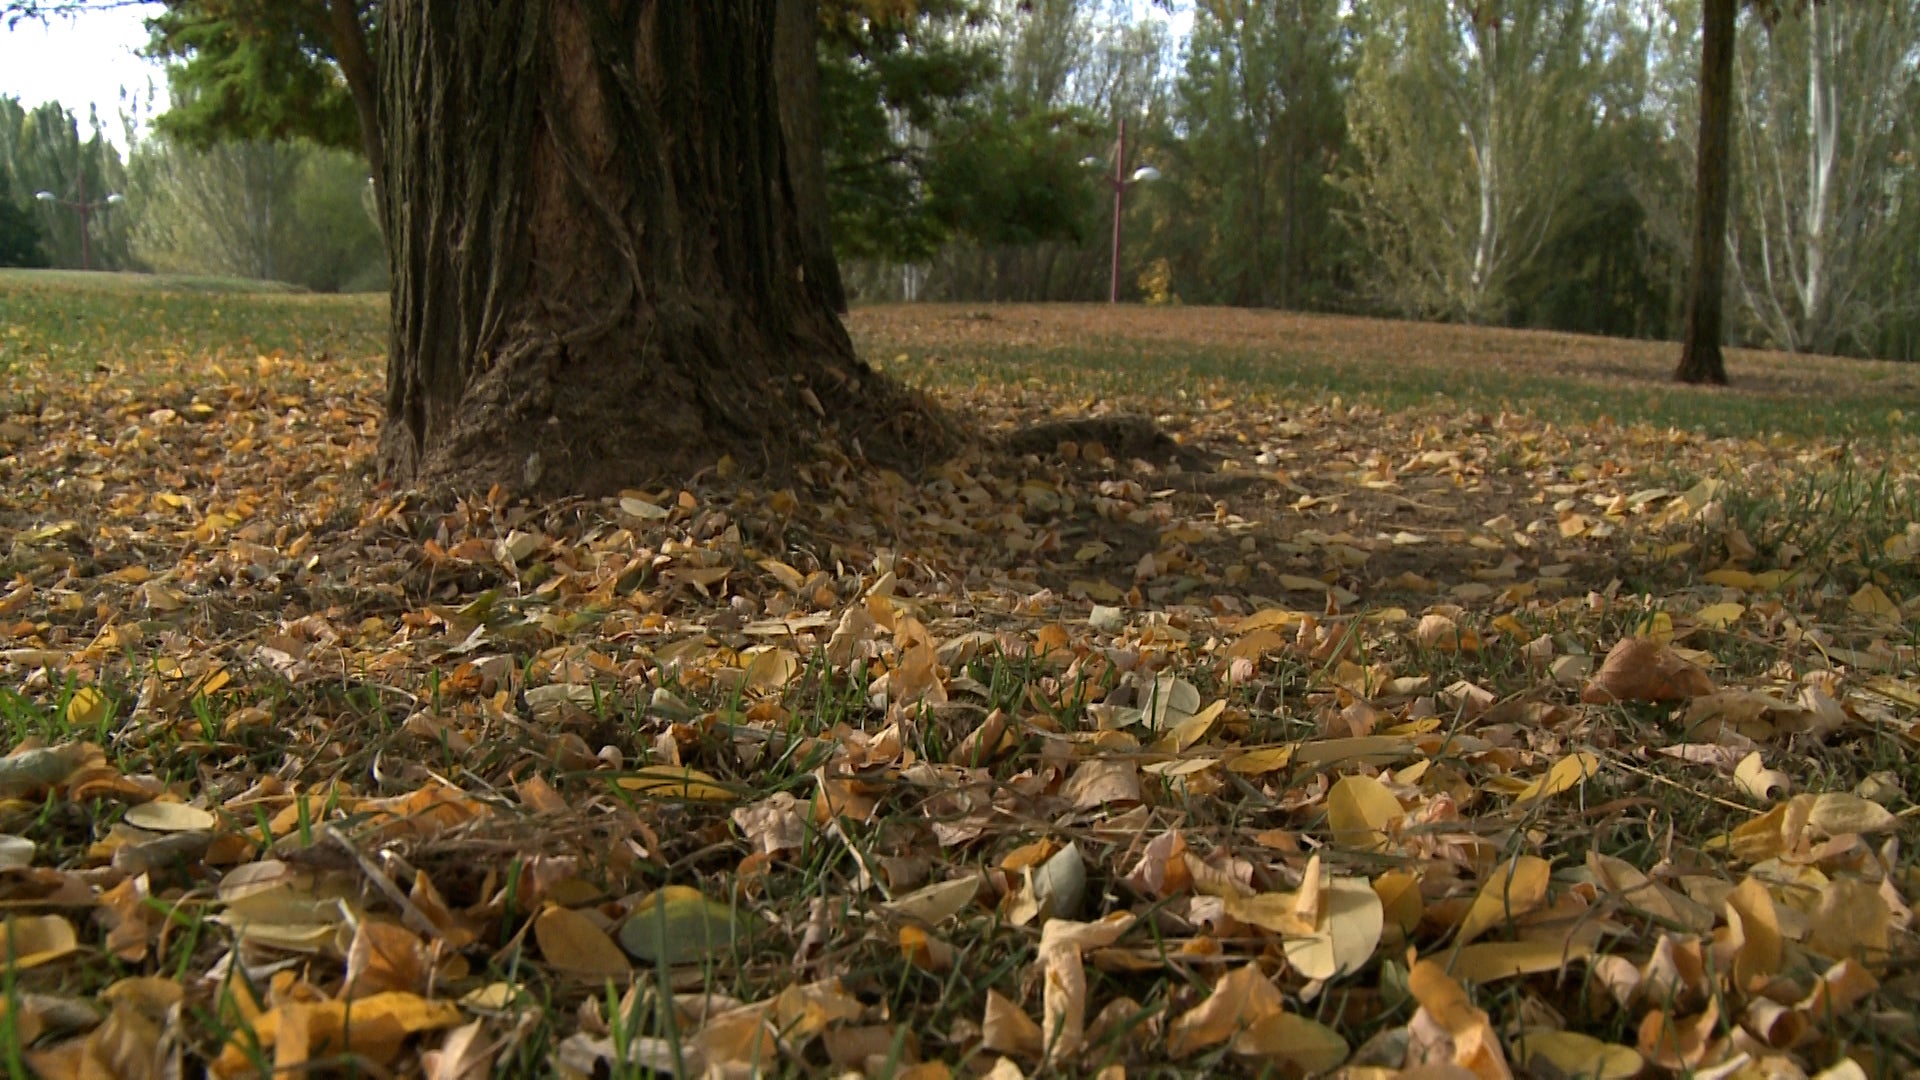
x: 1103, y: 781
x: 379, y: 1026
x: 28, y: 941
x: 1240, y: 999
x: 385, y: 956
x: 1293, y: 1042
x: 1753, y: 934
x: 465, y: 1054
x: 1491, y: 961
x: 1642, y: 669
x: 1063, y: 1011
x: 1448, y: 1029
x: 774, y: 824
x: 872, y: 1048
x: 936, y: 903
x: 1851, y: 922
x: 1673, y: 1043
x: 1564, y: 775
x: 1574, y: 1054
x: 1007, y: 1030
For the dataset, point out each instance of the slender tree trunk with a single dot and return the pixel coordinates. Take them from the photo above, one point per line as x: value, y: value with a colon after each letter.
x: 598, y: 253
x: 1700, y: 357
x: 357, y: 69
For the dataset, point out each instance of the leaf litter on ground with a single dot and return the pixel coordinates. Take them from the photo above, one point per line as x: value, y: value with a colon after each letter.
x: 1340, y: 738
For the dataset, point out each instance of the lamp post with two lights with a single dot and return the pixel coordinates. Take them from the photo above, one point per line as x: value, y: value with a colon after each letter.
x: 86, y: 208
x: 1121, y: 181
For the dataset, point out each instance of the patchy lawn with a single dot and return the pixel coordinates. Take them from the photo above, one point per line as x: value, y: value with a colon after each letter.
x: 1262, y: 695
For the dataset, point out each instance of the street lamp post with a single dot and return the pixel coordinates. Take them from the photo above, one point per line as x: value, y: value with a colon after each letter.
x: 1121, y: 182
x: 80, y: 205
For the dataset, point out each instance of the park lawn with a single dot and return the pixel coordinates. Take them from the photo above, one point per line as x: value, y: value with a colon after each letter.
x: 1401, y: 690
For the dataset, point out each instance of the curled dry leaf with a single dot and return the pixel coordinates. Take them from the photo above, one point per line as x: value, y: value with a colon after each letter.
x: 1448, y: 1029
x: 1642, y: 669
x: 1241, y: 998
x: 1759, y: 781
x: 1349, y: 930
x: 1007, y: 1030
x: 1063, y: 1010
x: 1679, y: 1043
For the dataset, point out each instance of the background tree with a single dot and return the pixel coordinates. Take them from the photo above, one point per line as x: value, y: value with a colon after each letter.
x: 894, y: 86
x: 1700, y: 357
x: 1614, y: 259
x: 1463, y: 117
x: 1070, y: 71
x: 42, y: 150
x: 272, y: 70
x: 1260, y: 110
x: 1828, y: 109
x: 272, y: 210
x: 19, y: 230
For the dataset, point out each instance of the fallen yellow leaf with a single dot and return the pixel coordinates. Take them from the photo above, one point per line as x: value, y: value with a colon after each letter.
x: 1359, y: 811
x: 1513, y: 888
x: 573, y: 944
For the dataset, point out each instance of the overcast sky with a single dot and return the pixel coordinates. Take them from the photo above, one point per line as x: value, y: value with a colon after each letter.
x: 80, y: 61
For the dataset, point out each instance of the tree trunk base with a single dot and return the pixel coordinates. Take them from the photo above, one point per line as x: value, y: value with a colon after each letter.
x: 658, y: 399
x: 1701, y: 365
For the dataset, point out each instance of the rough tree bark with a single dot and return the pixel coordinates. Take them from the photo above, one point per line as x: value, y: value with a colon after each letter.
x: 600, y: 264
x: 1700, y: 357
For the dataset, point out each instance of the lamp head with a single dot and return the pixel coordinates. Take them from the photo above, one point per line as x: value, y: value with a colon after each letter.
x: 116, y: 199
x: 45, y: 196
x: 1145, y: 174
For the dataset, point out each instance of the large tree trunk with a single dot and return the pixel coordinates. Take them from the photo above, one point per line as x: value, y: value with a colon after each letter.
x: 599, y: 260
x: 796, y: 70
x: 1700, y: 358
